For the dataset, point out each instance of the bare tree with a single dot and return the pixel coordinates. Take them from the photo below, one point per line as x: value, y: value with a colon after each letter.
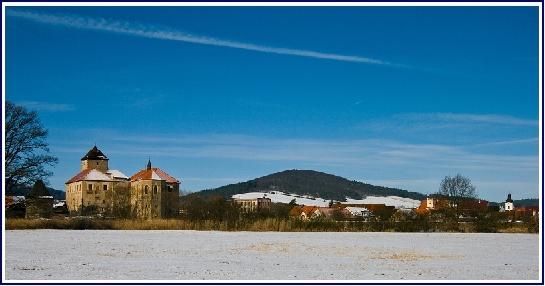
x: 457, y: 189
x: 27, y: 152
x: 457, y: 186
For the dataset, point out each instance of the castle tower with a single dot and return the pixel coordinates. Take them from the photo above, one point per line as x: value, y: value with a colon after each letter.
x: 95, y: 159
x: 509, y: 206
x: 154, y: 193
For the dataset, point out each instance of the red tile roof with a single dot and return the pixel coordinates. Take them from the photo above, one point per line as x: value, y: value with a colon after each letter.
x: 148, y: 174
x: 528, y: 208
x: 90, y: 175
x: 79, y: 176
x: 309, y: 210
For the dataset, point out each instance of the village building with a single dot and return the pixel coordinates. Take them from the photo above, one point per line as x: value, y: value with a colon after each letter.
x: 528, y: 211
x: 469, y: 206
x: 15, y: 206
x: 12, y: 200
x: 39, y: 202
x: 310, y: 212
x: 306, y: 212
x: 99, y: 190
x: 334, y: 212
x: 359, y: 212
x: 375, y: 209
x: 251, y: 205
x: 509, y: 205
x: 434, y: 203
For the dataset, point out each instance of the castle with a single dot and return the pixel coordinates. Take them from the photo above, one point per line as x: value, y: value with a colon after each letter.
x: 98, y: 190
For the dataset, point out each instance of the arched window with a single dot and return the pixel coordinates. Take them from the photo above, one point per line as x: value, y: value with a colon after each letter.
x: 155, y: 189
x: 146, y: 189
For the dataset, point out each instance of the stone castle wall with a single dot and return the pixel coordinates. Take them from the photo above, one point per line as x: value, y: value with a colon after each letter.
x: 101, y: 165
x: 154, y: 199
x: 110, y: 198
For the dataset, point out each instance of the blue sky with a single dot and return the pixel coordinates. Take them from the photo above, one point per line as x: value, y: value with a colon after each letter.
x: 395, y: 96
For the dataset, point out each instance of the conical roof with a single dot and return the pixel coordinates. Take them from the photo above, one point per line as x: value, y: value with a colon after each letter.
x: 39, y: 190
x: 94, y: 154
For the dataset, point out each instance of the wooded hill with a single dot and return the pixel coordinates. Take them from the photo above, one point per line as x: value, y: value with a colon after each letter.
x: 520, y: 203
x: 23, y: 191
x: 308, y: 182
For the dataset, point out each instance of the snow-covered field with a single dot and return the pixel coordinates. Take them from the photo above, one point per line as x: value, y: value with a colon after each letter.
x: 280, y: 197
x: 187, y: 255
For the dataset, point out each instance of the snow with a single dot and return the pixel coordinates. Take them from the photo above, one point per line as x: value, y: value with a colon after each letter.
x: 357, y: 211
x: 188, y: 255
x: 59, y: 204
x: 281, y: 197
x: 96, y: 175
x: 117, y: 174
x: 17, y: 199
x: 154, y: 176
x: 395, y: 201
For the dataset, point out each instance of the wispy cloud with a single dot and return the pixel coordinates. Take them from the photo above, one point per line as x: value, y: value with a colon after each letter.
x: 161, y: 33
x: 417, y: 167
x: 452, y: 128
x: 509, y: 142
x: 469, y: 118
x: 362, y: 153
x: 46, y: 106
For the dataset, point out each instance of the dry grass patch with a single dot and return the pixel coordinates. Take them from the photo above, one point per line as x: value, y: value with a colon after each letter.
x: 403, y: 256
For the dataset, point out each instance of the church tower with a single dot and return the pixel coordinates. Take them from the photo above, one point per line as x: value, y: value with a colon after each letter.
x: 509, y: 206
x: 95, y: 159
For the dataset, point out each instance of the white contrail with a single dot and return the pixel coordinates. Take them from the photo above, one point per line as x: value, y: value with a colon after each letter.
x: 154, y: 32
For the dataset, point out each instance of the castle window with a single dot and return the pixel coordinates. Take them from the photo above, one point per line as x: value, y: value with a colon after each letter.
x: 90, y: 187
x: 97, y: 163
x: 105, y: 187
x: 169, y: 189
x: 146, y: 190
x: 155, y: 189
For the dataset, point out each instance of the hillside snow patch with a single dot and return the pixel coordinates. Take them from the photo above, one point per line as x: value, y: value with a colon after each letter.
x: 281, y: 197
